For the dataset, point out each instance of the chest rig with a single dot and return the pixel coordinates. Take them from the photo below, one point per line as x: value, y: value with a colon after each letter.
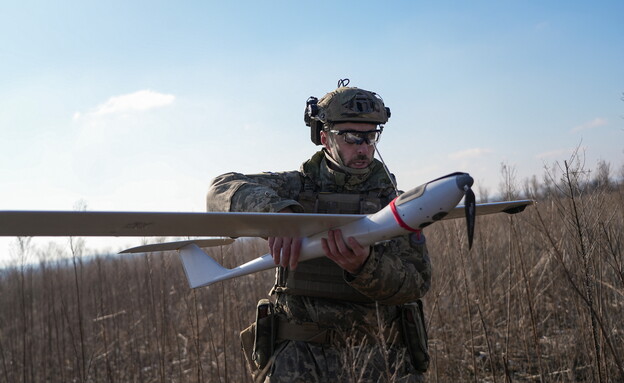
x: 321, y: 277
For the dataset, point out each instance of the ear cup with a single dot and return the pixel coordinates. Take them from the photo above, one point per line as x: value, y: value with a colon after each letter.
x: 311, y: 111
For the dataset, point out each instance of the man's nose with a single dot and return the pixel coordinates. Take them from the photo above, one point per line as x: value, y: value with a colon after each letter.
x: 364, y: 147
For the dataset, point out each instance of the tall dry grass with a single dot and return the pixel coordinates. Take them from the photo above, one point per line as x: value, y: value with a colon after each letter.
x: 123, y: 319
x: 540, y: 297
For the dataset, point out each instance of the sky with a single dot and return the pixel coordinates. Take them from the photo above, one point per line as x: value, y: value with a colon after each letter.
x: 136, y: 106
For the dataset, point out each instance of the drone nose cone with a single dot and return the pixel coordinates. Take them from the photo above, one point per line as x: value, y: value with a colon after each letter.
x: 464, y: 181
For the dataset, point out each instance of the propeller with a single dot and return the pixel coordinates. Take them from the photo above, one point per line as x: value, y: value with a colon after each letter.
x: 470, y: 207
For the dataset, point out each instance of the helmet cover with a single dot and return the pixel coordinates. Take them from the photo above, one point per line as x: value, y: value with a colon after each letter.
x: 345, y: 104
x: 350, y: 104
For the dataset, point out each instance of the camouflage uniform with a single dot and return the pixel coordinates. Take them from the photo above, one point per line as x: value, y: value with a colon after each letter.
x: 397, y: 272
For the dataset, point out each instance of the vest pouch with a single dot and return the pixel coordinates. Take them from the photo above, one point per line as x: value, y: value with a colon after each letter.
x: 248, y: 337
x: 264, y: 342
x: 415, y: 334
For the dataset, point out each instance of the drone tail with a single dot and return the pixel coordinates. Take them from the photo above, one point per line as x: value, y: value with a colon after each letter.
x: 203, y: 270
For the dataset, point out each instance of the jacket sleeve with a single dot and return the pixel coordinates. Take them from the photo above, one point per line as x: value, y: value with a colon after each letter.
x: 264, y: 192
x: 397, y: 271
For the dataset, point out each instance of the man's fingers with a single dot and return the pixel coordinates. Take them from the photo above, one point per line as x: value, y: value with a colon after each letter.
x: 348, y: 254
x: 295, y: 252
x: 271, y: 243
x: 285, y: 251
x: 354, y: 245
x: 358, y: 249
x: 275, y: 247
x: 286, y: 243
x: 325, y: 247
x: 342, y: 247
x: 331, y: 243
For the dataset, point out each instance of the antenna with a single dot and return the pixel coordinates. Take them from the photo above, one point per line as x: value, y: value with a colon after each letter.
x: 396, y: 190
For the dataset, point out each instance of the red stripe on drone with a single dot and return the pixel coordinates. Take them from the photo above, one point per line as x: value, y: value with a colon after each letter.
x: 399, y: 220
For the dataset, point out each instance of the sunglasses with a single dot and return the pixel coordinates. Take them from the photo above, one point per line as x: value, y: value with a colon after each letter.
x: 357, y: 137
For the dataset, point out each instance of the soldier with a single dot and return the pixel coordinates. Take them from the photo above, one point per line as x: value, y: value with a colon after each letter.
x: 354, y: 315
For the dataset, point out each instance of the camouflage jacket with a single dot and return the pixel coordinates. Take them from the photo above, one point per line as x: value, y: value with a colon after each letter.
x: 397, y: 271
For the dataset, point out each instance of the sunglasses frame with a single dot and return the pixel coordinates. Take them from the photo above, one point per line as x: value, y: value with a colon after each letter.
x: 360, y: 140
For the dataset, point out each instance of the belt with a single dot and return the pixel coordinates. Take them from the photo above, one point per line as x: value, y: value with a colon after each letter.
x: 313, y: 333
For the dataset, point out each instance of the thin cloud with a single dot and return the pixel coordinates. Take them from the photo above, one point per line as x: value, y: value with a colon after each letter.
x: 469, y: 153
x: 554, y: 153
x: 595, y: 123
x: 139, y: 101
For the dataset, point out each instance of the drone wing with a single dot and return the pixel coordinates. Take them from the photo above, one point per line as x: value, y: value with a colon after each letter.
x: 509, y: 207
x: 152, y: 224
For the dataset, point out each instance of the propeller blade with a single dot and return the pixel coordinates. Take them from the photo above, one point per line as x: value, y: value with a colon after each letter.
x: 471, y: 213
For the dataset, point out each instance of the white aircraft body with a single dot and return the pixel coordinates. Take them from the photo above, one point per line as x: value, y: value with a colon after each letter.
x: 411, y: 211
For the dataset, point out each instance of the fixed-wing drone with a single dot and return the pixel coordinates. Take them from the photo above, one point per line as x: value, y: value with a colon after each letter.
x: 411, y: 211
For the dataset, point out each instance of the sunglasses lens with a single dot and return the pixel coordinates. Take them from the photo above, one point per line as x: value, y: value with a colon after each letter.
x: 353, y: 138
x: 358, y: 138
x: 373, y: 137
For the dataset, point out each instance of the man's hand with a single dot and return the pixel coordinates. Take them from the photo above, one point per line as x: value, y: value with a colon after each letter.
x: 285, y: 250
x: 350, y: 257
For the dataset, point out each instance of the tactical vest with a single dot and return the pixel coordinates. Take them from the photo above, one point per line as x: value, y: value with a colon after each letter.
x: 321, y: 277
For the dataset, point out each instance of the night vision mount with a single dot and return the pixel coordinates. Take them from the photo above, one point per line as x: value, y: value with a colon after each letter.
x: 315, y: 125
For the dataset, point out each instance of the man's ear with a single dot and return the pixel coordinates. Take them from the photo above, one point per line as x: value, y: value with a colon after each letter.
x: 324, y: 139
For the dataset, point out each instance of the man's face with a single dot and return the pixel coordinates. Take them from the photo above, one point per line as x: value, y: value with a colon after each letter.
x: 357, y: 156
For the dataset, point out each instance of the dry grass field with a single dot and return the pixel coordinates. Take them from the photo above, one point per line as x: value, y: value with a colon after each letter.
x: 540, y: 297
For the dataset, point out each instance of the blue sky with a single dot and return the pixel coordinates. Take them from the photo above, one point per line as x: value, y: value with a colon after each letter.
x: 138, y: 105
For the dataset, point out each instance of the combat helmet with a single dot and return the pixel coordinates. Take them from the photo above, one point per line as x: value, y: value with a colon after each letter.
x: 345, y: 104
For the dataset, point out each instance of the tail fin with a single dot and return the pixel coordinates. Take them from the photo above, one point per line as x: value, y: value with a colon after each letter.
x: 199, y: 267
x: 203, y: 270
